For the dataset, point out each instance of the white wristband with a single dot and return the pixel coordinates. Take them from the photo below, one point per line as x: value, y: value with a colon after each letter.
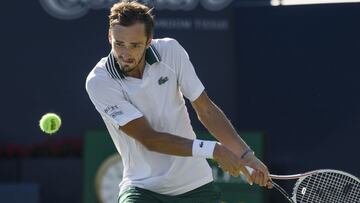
x: 203, y: 149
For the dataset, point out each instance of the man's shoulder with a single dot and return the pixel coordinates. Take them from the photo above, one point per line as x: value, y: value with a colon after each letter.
x: 168, y: 48
x: 164, y: 43
x: 97, y: 74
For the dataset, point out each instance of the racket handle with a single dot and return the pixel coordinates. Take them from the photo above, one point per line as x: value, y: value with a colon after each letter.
x: 250, y: 170
x: 283, y: 177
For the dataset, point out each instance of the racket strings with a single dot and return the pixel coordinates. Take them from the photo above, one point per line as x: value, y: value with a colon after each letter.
x: 328, y: 187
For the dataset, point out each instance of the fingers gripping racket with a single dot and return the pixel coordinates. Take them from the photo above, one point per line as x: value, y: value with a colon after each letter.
x: 321, y: 186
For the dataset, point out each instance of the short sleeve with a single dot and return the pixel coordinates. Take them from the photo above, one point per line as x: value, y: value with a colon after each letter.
x: 190, y: 84
x: 110, y: 101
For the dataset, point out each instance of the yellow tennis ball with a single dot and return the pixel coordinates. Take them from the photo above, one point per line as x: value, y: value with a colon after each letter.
x: 50, y: 123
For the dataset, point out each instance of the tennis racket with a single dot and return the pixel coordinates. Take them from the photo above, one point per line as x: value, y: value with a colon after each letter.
x: 321, y: 186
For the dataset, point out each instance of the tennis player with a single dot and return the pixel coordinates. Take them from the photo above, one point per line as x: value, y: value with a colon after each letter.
x: 139, y: 91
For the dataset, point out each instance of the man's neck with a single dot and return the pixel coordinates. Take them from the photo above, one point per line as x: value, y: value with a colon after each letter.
x: 139, y: 71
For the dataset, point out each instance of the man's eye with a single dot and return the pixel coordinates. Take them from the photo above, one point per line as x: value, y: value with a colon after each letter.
x: 132, y: 46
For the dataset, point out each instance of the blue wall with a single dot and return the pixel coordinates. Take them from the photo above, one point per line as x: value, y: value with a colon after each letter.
x: 298, y: 81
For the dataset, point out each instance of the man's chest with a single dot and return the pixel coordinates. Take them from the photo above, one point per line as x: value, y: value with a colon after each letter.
x: 158, y: 87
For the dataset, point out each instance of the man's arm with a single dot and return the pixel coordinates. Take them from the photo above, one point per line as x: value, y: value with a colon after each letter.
x: 167, y: 143
x: 220, y: 127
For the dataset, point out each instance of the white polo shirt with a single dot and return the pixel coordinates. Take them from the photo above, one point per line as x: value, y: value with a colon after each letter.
x: 158, y: 96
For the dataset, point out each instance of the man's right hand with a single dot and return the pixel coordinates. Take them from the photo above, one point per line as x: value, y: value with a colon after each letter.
x: 230, y: 163
x: 234, y: 165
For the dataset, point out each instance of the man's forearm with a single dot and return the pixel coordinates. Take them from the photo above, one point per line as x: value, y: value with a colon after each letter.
x: 168, y: 144
x: 220, y: 127
x: 153, y: 140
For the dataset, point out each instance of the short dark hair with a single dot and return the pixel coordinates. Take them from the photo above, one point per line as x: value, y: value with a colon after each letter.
x: 127, y: 13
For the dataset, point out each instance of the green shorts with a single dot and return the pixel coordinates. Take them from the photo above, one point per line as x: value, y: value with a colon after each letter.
x: 208, y: 193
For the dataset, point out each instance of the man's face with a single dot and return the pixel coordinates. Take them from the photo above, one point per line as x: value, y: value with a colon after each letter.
x: 129, y: 45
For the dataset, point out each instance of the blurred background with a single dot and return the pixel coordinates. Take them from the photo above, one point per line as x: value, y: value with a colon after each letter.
x: 286, y: 76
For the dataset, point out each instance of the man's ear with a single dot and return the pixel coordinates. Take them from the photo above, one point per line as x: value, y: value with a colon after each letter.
x: 109, y: 36
x: 148, y: 43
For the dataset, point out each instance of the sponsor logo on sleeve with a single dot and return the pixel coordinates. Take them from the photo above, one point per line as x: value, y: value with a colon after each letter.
x: 113, y: 111
x: 109, y: 109
x: 116, y: 114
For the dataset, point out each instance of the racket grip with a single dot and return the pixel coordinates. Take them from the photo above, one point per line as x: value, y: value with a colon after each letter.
x: 251, y: 170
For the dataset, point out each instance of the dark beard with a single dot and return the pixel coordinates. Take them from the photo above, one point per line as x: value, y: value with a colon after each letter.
x: 136, y: 65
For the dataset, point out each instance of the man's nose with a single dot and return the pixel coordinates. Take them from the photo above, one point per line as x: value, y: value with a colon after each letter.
x: 125, y: 52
